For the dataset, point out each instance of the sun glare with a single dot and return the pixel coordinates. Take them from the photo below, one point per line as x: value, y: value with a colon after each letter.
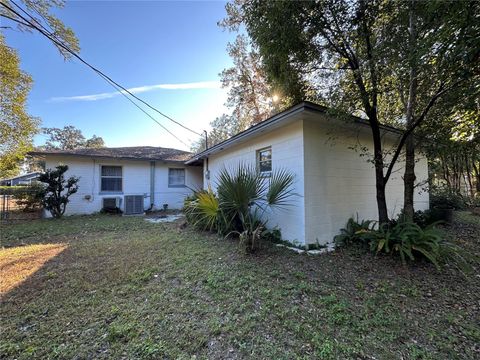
x: 19, y: 263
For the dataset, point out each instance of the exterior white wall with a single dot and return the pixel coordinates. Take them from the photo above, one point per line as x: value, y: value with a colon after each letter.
x: 340, y: 183
x: 333, y: 181
x: 136, y: 181
x: 174, y: 196
x: 287, y: 152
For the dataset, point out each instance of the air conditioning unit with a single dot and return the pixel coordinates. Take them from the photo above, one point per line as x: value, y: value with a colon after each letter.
x: 112, y: 203
x: 133, y: 204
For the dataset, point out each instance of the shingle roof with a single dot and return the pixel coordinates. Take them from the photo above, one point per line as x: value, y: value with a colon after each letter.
x: 132, y: 153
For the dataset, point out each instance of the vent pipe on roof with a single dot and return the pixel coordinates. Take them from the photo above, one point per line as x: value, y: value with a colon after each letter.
x: 206, y: 139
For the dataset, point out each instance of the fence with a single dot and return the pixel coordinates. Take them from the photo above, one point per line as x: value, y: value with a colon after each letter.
x: 14, y: 208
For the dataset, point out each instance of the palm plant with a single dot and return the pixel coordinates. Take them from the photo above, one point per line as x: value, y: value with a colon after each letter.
x: 245, y: 195
x: 202, y: 210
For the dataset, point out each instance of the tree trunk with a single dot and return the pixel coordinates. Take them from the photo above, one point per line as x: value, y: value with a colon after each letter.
x: 409, y: 178
x: 469, y: 176
x: 380, y: 182
x: 409, y: 175
x: 476, y: 170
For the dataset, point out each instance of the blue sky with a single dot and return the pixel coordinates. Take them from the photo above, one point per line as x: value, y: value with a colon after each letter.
x: 151, y: 45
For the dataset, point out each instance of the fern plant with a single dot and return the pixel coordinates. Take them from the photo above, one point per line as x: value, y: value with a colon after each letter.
x: 407, y: 240
x: 355, y: 233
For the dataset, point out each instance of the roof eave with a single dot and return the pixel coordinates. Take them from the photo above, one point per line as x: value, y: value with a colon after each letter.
x: 305, y: 105
x: 41, y: 153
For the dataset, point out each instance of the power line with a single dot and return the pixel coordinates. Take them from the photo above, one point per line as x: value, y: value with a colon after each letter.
x: 53, y: 38
x: 45, y: 32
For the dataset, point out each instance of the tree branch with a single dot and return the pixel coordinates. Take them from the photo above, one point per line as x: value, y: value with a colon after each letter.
x: 17, y: 21
x: 441, y: 90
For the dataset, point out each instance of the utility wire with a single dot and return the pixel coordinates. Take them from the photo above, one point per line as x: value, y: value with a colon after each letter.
x: 113, y: 83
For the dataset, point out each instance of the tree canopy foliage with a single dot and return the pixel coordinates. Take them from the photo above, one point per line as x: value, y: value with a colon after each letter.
x: 17, y: 127
x: 70, y: 138
x: 390, y: 62
x: 250, y: 97
x: 40, y: 12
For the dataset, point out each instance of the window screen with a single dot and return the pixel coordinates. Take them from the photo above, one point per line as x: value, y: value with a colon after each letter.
x: 111, y: 178
x: 176, y: 177
x: 264, y: 161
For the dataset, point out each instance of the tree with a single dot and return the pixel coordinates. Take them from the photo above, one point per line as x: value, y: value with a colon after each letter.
x: 250, y: 97
x: 40, y: 14
x: 223, y: 127
x: 58, y: 190
x: 16, y: 126
x: 451, y: 138
x: 95, y: 142
x: 70, y: 138
x: 386, y: 60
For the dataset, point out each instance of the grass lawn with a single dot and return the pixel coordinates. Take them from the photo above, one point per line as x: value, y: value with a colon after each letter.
x: 118, y: 287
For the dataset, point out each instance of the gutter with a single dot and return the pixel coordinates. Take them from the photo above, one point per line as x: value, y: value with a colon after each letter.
x: 152, y: 184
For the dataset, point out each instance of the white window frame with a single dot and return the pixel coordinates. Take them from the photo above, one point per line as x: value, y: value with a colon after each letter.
x: 107, y: 176
x: 177, y: 185
x: 265, y: 173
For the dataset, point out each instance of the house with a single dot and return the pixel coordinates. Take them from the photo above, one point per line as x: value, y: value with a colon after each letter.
x: 132, y: 179
x: 25, y: 179
x: 329, y: 157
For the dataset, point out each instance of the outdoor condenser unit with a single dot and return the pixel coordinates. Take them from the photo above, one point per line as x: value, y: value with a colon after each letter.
x: 133, y: 204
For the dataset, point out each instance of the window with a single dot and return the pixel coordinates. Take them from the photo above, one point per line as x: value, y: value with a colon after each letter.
x: 264, y: 161
x: 176, y: 177
x: 111, y: 179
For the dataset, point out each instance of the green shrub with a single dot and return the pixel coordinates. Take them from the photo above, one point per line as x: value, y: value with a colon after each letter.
x: 274, y: 236
x: 57, y: 189
x: 355, y: 233
x: 31, y: 198
x: 421, y: 218
x: 446, y: 198
x: 28, y: 197
x: 406, y: 240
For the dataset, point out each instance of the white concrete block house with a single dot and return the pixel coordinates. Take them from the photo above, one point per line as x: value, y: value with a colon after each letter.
x: 131, y: 178
x: 332, y: 181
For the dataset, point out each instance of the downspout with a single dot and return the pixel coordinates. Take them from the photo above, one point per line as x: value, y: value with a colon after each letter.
x: 152, y: 184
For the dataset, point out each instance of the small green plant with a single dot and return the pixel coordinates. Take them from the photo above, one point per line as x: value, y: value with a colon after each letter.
x: 355, y: 232
x: 421, y: 218
x: 406, y: 240
x: 445, y: 198
x: 238, y: 208
x: 203, y: 210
